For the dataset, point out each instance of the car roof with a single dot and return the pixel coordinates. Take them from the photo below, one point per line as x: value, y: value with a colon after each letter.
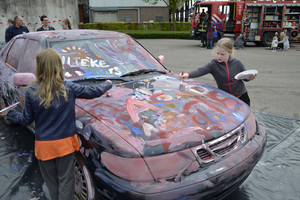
x: 59, y: 35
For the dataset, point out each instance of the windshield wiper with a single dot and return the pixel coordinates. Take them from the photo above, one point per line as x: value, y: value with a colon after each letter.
x: 102, y: 79
x: 142, y: 71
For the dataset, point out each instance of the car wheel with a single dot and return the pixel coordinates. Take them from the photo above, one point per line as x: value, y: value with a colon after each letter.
x: 84, y: 187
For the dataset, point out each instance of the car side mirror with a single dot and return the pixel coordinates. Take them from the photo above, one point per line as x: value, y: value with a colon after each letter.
x: 23, y: 79
x: 161, y: 59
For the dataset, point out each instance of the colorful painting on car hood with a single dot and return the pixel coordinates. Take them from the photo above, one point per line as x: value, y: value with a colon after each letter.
x: 154, y: 116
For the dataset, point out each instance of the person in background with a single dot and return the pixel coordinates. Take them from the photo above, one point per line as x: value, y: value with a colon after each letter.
x: 66, y: 24
x: 209, y: 35
x: 224, y: 68
x: 10, y: 22
x: 285, y: 41
x: 50, y: 103
x: 207, y: 17
x: 275, y: 42
x: 45, y: 26
x: 16, y: 29
x: 240, y: 41
x: 216, y: 36
x: 202, y: 15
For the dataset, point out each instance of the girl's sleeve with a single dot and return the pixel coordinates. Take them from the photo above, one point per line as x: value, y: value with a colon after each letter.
x: 243, y: 68
x: 26, y: 117
x: 90, y: 92
x: 205, y: 69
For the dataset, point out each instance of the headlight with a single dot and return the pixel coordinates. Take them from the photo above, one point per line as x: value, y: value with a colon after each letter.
x: 132, y: 169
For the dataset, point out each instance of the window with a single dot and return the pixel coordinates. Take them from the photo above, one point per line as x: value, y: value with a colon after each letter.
x: 105, y: 57
x: 4, y: 53
x: 128, y: 19
x: 220, y: 10
x: 15, y: 52
x: 29, y: 61
x: 159, y: 18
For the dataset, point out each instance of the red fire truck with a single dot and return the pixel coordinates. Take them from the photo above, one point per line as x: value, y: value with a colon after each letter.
x: 258, y: 19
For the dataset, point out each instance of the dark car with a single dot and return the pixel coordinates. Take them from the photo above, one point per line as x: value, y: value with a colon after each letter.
x: 153, y: 136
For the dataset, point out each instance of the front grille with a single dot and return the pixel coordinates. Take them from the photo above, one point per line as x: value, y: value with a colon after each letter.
x: 220, y: 147
x: 204, y: 155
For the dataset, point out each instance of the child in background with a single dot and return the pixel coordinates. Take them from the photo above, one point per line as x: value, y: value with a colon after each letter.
x: 66, y: 24
x: 50, y: 103
x: 216, y: 36
x: 284, y: 41
x: 10, y: 22
x: 240, y: 41
x: 209, y: 35
x: 275, y: 42
x: 224, y: 68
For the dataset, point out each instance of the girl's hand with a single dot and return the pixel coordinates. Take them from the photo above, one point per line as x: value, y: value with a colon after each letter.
x: 183, y: 75
x: 252, y: 77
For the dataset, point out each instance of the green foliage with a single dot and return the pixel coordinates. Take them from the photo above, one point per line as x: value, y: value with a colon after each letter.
x: 149, y: 30
x: 157, y: 34
x: 153, y: 26
x: 91, y: 26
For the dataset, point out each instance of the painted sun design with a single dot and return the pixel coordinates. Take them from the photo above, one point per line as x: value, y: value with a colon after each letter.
x: 74, y: 54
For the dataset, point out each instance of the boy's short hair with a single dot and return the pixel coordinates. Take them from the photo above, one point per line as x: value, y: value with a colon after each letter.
x: 42, y: 17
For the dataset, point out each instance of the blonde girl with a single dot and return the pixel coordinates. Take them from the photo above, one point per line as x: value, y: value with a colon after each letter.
x: 284, y: 41
x: 66, y: 24
x: 224, y: 68
x: 50, y: 103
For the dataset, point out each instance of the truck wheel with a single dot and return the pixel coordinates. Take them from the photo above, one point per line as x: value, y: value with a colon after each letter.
x: 267, y: 39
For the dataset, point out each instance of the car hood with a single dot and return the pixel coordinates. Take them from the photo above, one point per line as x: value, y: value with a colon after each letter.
x: 162, y: 114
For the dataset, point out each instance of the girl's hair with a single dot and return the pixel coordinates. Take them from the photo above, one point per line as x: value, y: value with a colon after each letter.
x: 67, y: 22
x: 49, y: 77
x: 10, y: 20
x: 226, y: 44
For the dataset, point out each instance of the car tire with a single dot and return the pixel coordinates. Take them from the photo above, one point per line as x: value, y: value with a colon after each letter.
x: 84, y: 186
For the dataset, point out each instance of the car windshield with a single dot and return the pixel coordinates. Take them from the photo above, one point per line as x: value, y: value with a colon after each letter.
x: 104, y: 57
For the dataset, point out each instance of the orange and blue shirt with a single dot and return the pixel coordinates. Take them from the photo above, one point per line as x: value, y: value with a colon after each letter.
x: 55, y: 128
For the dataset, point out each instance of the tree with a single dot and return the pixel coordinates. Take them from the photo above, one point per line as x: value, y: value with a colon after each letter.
x: 172, y: 5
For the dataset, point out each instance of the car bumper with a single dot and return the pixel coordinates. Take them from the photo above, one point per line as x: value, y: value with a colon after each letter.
x: 214, y: 182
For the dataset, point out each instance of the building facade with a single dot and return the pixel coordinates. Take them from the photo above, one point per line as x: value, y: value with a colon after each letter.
x: 127, y: 11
